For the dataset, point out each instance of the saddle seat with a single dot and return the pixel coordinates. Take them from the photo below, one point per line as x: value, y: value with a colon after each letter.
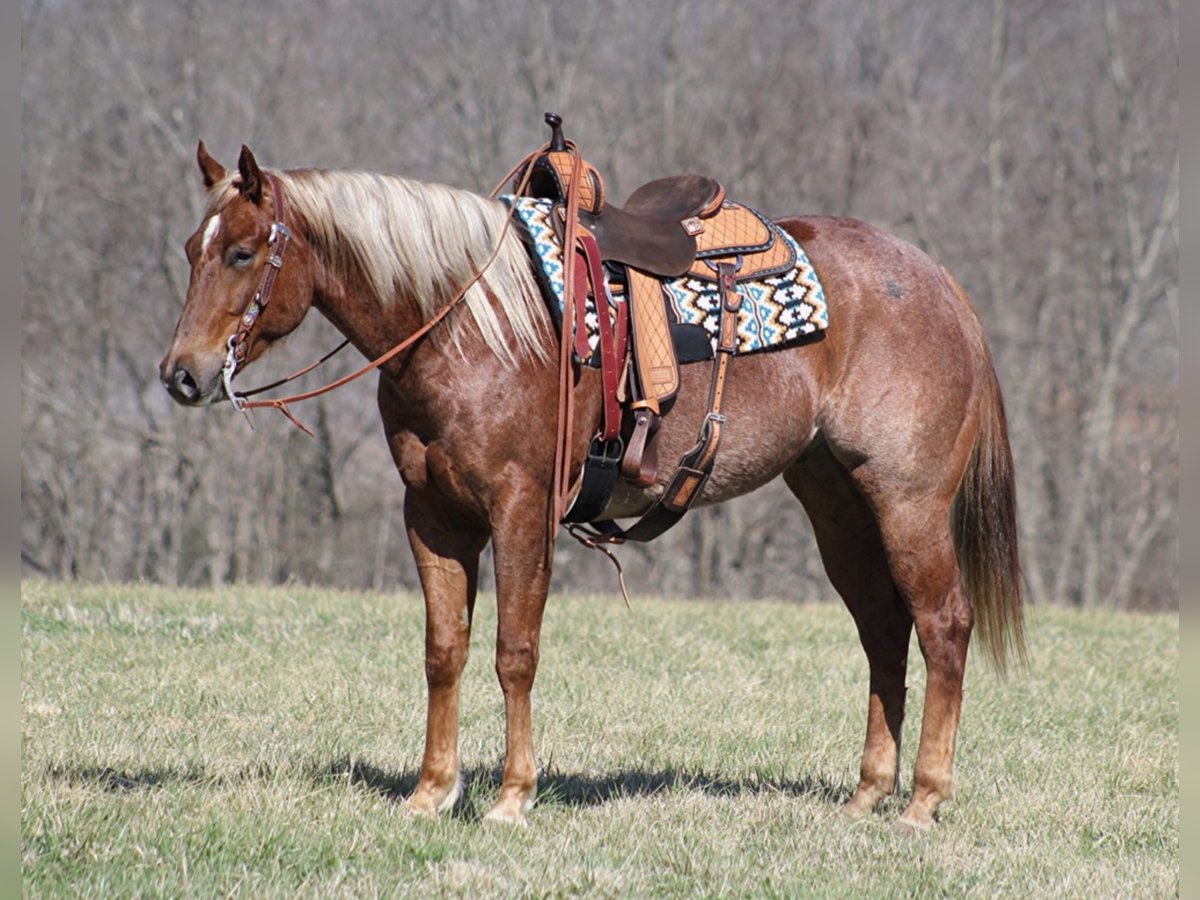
x: 676, y: 197
x: 655, y: 230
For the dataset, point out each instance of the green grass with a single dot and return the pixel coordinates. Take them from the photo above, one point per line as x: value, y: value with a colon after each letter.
x: 255, y: 742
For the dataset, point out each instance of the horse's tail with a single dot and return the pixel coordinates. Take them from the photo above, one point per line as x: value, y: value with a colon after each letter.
x: 984, y: 519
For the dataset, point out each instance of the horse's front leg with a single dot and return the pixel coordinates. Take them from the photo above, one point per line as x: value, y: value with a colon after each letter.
x: 447, y: 557
x: 522, y: 582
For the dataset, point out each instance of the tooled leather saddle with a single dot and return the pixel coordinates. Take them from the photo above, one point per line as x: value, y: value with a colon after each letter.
x: 673, y: 227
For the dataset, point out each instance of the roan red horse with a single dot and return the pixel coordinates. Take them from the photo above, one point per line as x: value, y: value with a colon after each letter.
x: 890, y: 430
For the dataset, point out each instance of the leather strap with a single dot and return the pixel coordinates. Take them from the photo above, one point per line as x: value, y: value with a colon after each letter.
x: 566, y: 369
x: 602, y: 466
x: 277, y: 243
x: 614, y: 335
x: 583, y: 350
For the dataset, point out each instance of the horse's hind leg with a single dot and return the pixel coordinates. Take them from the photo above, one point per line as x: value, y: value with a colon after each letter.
x: 921, y: 550
x: 856, y: 562
x: 913, y: 511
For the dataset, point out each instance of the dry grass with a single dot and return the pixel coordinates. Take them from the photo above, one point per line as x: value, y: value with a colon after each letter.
x: 255, y: 742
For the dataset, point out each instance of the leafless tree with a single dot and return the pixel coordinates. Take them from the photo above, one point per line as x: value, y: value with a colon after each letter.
x: 1030, y: 146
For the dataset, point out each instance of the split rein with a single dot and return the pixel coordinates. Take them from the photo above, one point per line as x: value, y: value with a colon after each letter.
x: 277, y: 242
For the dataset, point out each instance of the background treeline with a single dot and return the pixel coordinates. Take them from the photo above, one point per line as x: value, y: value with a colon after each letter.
x: 1031, y: 146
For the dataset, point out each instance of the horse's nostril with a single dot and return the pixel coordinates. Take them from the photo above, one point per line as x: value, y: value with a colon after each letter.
x: 183, y: 385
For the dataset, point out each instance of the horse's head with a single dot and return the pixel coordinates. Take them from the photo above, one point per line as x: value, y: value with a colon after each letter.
x: 251, y: 282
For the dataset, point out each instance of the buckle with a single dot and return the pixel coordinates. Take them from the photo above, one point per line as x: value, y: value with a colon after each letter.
x: 606, y: 453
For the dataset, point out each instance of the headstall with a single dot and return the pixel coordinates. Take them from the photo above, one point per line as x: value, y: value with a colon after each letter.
x: 238, y: 344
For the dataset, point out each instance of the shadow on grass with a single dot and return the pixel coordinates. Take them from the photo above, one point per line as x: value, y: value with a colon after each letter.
x: 109, y: 778
x: 575, y: 790
x: 560, y: 788
x: 554, y: 788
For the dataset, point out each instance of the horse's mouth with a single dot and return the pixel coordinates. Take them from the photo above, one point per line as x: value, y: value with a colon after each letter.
x: 209, y: 398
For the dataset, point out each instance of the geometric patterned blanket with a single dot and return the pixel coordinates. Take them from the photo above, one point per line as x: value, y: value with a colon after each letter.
x: 775, y: 310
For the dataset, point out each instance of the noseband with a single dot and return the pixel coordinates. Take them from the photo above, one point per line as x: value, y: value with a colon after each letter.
x: 238, y: 344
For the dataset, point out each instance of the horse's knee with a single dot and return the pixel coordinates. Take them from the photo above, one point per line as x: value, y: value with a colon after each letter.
x: 516, y: 662
x: 444, y: 663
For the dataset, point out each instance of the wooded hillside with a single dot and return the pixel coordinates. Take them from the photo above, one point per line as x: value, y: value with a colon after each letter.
x: 1030, y: 146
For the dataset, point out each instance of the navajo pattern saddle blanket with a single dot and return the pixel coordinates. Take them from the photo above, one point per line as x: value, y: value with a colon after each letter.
x: 777, y: 308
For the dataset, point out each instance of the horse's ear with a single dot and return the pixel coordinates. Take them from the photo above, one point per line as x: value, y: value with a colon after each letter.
x: 212, y: 170
x: 251, y: 185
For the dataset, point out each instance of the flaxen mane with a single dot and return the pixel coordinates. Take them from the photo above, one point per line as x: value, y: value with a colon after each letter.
x: 419, y: 241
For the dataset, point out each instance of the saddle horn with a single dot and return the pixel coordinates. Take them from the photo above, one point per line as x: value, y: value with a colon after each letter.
x: 557, y: 142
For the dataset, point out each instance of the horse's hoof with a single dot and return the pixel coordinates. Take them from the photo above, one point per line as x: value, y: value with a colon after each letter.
x: 866, y: 800
x: 909, y: 825
x: 417, y: 809
x: 509, y: 810
x: 506, y: 817
x: 427, y: 804
x: 857, y: 807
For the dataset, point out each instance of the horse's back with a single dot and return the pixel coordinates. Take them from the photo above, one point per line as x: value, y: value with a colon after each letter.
x: 877, y: 284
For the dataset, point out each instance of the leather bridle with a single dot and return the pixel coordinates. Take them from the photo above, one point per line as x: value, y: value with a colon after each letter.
x: 238, y: 344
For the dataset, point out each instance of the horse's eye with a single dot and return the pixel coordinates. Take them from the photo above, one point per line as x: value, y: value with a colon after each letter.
x: 239, y: 257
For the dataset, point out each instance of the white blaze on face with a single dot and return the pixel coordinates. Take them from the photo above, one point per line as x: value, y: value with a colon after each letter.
x: 210, y: 230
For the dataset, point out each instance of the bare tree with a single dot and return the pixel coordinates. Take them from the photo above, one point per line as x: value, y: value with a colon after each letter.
x: 1030, y: 146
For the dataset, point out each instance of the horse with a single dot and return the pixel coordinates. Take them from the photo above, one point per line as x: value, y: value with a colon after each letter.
x: 890, y: 430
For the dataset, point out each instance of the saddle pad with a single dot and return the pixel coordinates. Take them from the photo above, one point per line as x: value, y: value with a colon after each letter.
x: 775, y: 310
x: 533, y: 213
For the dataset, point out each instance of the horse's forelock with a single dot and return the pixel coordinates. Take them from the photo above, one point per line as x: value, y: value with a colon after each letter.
x: 220, y: 194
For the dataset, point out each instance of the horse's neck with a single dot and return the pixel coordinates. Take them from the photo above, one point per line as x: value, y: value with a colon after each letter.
x: 424, y: 373
x: 352, y: 308
x: 347, y: 296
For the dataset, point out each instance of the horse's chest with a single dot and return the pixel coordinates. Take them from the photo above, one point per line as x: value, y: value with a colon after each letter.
x: 411, y: 457
x: 430, y: 467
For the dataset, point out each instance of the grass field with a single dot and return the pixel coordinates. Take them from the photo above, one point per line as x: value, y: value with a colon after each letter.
x: 256, y: 742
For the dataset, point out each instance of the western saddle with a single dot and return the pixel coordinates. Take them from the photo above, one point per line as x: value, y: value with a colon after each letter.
x: 620, y: 257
